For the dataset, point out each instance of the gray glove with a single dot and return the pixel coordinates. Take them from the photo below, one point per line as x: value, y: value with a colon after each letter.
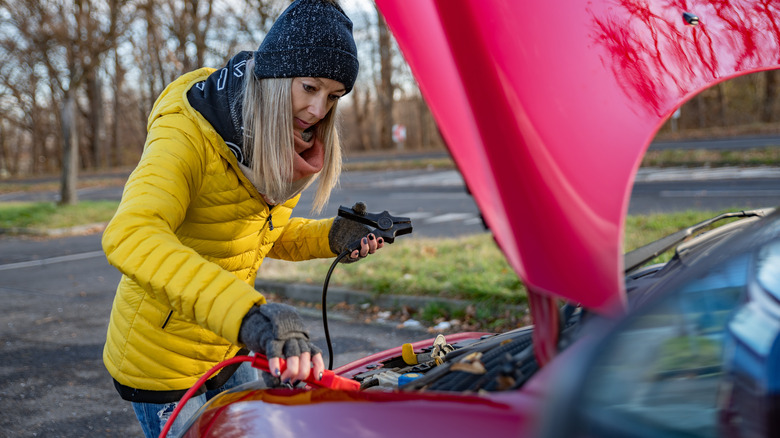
x: 343, y: 232
x: 275, y: 330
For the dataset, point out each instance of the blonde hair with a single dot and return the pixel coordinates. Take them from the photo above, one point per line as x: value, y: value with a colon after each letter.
x: 269, y: 144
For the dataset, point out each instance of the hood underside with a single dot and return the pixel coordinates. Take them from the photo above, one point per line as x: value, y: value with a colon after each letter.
x: 548, y: 108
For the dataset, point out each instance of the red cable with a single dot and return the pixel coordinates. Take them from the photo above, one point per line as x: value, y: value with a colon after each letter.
x: 328, y: 380
x: 188, y: 395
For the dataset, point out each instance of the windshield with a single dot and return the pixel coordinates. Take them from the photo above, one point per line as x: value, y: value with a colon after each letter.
x: 664, y: 369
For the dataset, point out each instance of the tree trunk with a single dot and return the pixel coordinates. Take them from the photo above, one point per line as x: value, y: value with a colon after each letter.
x: 722, y: 105
x: 700, y: 108
x: 385, y: 92
x: 70, y: 151
x: 361, y: 118
x: 5, y: 163
x: 95, y: 96
x: 37, y: 115
x: 119, y: 77
x: 423, y: 137
x: 768, y: 101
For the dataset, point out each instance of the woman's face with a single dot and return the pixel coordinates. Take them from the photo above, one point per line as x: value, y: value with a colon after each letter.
x: 312, y: 98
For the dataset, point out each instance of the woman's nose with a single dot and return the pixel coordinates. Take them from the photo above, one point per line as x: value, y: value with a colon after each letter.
x: 318, y: 108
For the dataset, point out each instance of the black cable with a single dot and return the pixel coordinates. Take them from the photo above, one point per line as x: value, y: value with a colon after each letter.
x: 325, y: 307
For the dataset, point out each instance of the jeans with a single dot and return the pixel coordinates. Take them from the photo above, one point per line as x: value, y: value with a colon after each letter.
x: 153, y: 416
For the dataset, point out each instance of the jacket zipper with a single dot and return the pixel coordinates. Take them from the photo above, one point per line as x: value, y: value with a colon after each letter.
x: 168, y: 318
x: 270, y: 221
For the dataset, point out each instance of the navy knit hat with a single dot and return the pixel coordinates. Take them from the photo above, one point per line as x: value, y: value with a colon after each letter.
x: 312, y: 38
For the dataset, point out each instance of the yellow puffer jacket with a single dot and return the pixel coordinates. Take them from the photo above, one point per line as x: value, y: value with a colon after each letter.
x: 189, y: 236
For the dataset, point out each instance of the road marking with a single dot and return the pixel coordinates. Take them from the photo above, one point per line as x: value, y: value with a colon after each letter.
x: 473, y: 221
x: 52, y: 260
x: 428, y: 218
x: 705, y: 174
x: 717, y: 193
x: 429, y: 195
x: 448, y: 178
x: 416, y: 215
x: 449, y: 217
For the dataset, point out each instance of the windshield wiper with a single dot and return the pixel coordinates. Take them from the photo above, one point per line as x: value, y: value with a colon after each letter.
x: 640, y: 256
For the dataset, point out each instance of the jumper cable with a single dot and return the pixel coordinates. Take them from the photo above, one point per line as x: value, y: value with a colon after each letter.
x: 329, y: 380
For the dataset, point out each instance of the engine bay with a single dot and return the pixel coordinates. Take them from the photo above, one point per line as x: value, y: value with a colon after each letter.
x: 496, y: 362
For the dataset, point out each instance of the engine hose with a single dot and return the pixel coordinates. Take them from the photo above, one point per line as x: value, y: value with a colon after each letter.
x: 325, y: 307
x: 483, y: 346
x: 518, y: 353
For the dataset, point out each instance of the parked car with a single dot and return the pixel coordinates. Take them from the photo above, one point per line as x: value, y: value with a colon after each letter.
x: 547, y: 108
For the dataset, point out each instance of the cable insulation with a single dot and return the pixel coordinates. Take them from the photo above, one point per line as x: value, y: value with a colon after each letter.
x: 325, y: 307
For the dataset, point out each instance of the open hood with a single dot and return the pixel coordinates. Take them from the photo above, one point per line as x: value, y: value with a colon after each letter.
x: 548, y: 107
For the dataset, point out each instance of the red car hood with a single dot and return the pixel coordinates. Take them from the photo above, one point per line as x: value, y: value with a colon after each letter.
x: 548, y: 107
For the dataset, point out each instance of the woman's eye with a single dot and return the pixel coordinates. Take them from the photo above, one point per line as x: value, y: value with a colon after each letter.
x: 334, y: 97
x: 308, y: 88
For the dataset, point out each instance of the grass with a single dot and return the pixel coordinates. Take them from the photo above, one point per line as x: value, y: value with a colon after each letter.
x: 48, y: 215
x: 769, y: 156
x: 20, y: 185
x: 470, y: 267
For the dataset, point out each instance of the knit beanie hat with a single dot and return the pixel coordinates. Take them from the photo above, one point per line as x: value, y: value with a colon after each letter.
x: 312, y: 38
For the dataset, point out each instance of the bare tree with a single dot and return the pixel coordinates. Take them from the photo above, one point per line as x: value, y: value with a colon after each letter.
x: 21, y: 105
x: 767, y: 104
x: 188, y: 24
x: 385, y: 88
x: 361, y: 101
x: 68, y: 39
x: 251, y: 20
x: 119, y: 79
x: 95, y: 119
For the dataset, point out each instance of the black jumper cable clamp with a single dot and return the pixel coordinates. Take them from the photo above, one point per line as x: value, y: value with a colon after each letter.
x: 385, y: 226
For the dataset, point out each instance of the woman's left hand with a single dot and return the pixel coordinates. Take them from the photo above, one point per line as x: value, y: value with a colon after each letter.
x: 368, y: 245
x: 343, y: 235
x: 277, y: 330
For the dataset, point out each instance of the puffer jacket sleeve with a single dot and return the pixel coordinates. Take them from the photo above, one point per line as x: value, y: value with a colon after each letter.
x: 303, y: 239
x: 141, y: 243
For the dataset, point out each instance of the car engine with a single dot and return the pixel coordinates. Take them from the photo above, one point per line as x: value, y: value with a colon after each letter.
x: 492, y: 363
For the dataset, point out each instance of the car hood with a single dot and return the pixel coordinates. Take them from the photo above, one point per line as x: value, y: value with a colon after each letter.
x: 547, y: 109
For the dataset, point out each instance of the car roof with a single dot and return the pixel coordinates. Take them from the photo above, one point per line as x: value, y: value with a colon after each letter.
x: 548, y: 108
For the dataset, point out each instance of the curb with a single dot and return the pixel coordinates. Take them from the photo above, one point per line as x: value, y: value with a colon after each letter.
x: 55, y: 232
x: 313, y: 294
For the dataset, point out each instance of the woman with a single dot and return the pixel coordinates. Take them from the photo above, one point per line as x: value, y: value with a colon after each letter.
x: 227, y: 155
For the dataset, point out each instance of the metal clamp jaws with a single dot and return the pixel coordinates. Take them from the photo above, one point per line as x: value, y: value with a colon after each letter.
x: 385, y: 225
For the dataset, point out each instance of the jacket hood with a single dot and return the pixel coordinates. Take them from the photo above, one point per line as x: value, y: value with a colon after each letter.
x: 173, y: 101
x: 218, y: 99
x: 548, y: 109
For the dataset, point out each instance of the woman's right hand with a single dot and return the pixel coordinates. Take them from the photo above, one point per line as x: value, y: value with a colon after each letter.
x: 277, y: 330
